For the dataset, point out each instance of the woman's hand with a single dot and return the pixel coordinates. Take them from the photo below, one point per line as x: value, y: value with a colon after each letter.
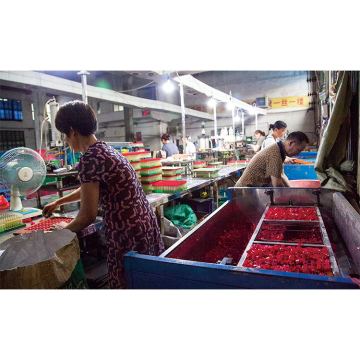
x: 50, y: 208
x: 59, y: 226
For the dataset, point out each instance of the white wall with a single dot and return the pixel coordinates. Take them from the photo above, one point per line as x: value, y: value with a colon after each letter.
x: 151, y: 130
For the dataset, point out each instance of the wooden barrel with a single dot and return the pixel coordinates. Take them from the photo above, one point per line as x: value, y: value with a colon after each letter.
x: 39, y: 260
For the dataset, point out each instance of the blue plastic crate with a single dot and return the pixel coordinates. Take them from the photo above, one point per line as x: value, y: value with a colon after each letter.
x: 300, y: 172
x: 307, y: 155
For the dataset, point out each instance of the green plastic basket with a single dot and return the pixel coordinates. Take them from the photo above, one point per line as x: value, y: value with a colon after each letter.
x: 151, y: 171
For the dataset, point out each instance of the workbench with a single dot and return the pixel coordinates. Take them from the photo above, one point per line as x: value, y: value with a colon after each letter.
x: 157, y: 200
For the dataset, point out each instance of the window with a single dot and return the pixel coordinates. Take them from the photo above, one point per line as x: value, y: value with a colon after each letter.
x: 32, y: 111
x: 118, y: 107
x: 11, y: 110
x: 10, y: 139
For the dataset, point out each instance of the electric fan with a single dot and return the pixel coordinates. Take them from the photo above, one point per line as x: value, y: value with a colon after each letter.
x: 22, y: 171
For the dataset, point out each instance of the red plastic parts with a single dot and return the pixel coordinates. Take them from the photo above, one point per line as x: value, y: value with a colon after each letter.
x: 169, y: 183
x: 150, y: 159
x: 46, y: 224
x: 231, y: 244
x: 291, y: 213
x: 286, y: 234
x: 310, y: 260
x: 4, y: 204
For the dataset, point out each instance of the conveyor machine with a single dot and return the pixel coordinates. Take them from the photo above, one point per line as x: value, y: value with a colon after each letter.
x: 262, y: 238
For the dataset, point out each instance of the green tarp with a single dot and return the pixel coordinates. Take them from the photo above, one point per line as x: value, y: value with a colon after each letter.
x: 331, y: 157
x: 181, y: 215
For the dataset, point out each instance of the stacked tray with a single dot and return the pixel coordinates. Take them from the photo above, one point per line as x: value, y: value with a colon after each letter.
x: 199, y: 164
x: 169, y: 186
x: 171, y: 173
x: 207, y: 173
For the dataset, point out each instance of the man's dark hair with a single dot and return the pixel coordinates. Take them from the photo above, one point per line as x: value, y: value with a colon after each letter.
x: 165, y: 137
x: 78, y: 116
x: 278, y: 125
x: 298, y: 136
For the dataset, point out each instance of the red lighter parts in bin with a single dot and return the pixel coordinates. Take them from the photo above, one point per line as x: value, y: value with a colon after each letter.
x: 46, y: 224
x: 291, y: 213
x: 310, y: 260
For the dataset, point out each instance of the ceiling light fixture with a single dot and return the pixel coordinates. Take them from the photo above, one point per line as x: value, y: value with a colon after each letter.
x: 168, y: 86
x: 212, y: 103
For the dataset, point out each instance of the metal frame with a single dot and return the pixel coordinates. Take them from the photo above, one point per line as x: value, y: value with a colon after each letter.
x: 153, y: 272
x: 253, y: 237
x: 190, y: 81
x: 326, y: 241
x: 161, y: 272
x: 320, y: 222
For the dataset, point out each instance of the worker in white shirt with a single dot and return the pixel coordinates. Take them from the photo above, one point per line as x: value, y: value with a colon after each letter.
x: 189, y: 147
x: 276, y: 132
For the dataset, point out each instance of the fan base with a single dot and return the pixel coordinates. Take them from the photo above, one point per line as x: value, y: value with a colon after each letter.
x: 28, y: 212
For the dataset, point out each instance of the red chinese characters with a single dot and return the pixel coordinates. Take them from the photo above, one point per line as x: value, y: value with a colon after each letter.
x: 310, y: 260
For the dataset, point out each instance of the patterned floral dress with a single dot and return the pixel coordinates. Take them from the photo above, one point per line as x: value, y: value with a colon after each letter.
x: 130, y: 222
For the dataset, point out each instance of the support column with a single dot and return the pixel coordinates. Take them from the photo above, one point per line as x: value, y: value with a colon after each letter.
x: 128, y: 112
x: 183, y: 128
x: 215, y: 126
x: 39, y: 99
x: 83, y: 75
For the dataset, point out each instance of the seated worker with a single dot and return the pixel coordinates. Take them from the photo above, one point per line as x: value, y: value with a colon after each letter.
x: 266, y: 167
x: 169, y: 147
x: 276, y: 132
x: 260, y: 137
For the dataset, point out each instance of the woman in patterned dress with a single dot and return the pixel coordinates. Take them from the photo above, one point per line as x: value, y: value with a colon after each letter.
x: 106, y: 177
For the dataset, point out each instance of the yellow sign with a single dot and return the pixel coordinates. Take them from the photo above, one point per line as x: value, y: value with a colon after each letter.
x: 290, y: 101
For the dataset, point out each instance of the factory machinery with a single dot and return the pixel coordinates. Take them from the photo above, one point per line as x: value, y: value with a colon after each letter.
x: 275, y: 238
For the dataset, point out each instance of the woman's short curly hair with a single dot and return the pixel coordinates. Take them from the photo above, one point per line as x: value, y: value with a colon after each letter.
x: 165, y: 137
x: 78, y: 116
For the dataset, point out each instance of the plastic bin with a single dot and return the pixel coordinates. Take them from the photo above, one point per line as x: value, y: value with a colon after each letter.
x: 305, y: 183
x: 300, y: 172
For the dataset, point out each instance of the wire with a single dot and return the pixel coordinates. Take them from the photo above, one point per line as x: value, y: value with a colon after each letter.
x: 140, y: 87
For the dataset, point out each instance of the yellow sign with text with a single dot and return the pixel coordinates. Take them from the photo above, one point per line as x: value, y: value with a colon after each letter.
x: 289, y: 101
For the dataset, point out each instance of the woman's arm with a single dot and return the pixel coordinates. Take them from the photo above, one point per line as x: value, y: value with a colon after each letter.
x: 51, y: 207
x: 89, y: 194
x: 72, y: 197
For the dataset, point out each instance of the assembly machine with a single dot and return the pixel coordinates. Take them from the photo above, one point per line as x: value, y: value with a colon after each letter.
x: 262, y: 238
